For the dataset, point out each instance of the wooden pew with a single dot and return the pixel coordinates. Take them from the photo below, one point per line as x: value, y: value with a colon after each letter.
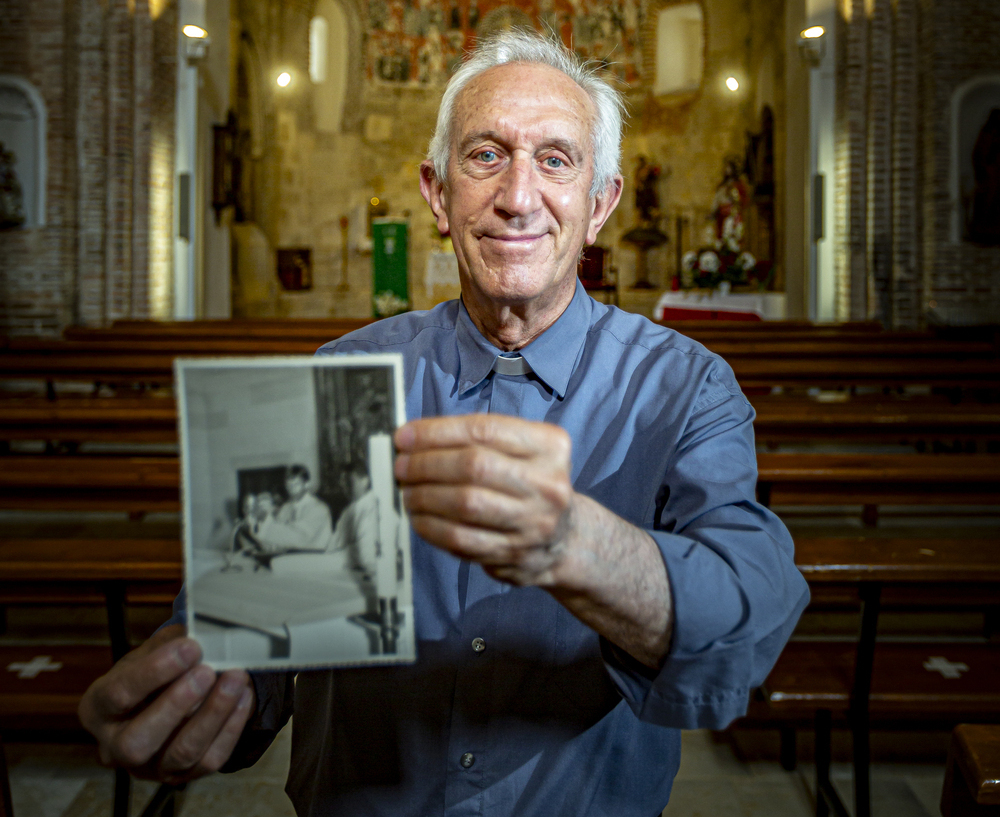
x: 870, y: 480
x: 43, y: 682
x: 972, y: 775
x: 881, y: 373
x: 922, y: 422
x: 134, y: 485
x: 66, y: 423
x: 152, y: 363
x: 885, y: 682
x: 299, y: 328
x: 294, y: 337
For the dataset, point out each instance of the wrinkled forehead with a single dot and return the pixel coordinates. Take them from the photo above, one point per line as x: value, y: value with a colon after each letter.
x: 524, y: 92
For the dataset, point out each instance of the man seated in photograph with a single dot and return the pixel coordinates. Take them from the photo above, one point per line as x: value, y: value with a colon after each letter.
x: 591, y: 570
x: 302, y: 523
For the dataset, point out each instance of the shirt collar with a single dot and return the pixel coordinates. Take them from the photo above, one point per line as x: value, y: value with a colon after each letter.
x: 553, y: 355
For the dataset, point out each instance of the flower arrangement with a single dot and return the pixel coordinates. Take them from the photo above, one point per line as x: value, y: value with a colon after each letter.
x: 722, y: 269
x: 723, y: 264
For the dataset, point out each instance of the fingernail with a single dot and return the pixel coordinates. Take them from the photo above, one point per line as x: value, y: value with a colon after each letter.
x: 188, y: 652
x: 232, y: 684
x: 244, y: 700
x: 404, y: 436
x: 201, y: 679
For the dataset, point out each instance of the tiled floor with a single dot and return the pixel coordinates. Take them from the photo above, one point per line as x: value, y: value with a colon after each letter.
x: 714, y: 781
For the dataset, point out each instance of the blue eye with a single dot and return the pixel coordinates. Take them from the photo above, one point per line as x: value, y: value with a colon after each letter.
x: 554, y: 162
x: 487, y: 156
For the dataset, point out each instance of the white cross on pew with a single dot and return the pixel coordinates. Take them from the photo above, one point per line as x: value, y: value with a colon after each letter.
x: 938, y: 663
x: 30, y: 669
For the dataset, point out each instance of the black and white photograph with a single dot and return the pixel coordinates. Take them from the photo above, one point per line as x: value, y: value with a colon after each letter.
x: 297, y: 549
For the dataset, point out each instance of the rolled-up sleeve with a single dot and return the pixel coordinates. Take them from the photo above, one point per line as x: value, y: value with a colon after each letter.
x: 735, y: 590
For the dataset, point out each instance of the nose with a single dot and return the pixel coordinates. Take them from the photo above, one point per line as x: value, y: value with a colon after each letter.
x: 518, y: 193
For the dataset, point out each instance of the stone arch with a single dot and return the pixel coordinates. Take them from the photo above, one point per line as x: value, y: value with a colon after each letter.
x: 23, y: 132
x: 252, y: 81
x: 972, y: 106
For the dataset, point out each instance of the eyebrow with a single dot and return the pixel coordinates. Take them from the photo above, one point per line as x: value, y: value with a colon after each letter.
x: 568, y: 146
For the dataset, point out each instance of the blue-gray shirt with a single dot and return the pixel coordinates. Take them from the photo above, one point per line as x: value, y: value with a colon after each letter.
x: 555, y: 720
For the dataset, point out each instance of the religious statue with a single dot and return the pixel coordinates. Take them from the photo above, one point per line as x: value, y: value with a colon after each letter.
x: 647, y: 198
x: 728, y: 207
x: 647, y: 201
x: 984, y: 223
x: 11, y: 196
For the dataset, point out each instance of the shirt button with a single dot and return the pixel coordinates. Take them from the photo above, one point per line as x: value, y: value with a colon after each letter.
x: 467, y: 760
x: 478, y: 645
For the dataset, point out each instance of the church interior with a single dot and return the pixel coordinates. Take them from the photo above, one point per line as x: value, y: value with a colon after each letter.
x: 812, y: 190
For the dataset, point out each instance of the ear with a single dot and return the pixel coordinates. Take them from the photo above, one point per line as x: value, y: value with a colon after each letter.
x: 605, y: 203
x: 434, y: 193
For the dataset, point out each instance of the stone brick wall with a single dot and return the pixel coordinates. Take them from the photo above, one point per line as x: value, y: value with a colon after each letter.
x: 963, y: 278
x: 95, y: 65
x: 32, y: 261
x: 902, y: 65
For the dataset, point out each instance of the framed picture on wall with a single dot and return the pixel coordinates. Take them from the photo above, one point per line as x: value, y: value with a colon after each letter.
x: 296, y: 544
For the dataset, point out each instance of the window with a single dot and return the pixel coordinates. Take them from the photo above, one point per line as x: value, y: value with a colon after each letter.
x: 318, y: 35
x: 328, y: 52
x: 680, y: 45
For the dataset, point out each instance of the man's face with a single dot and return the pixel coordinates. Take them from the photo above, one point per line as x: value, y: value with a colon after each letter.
x: 296, y: 487
x: 516, y: 200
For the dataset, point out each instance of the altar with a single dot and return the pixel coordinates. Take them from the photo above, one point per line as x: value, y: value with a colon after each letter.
x: 713, y: 305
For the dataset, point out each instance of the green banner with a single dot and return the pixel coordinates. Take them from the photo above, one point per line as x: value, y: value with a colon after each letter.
x: 390, y: 285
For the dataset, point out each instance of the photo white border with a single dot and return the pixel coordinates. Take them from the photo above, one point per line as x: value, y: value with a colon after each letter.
x: 392, y: 361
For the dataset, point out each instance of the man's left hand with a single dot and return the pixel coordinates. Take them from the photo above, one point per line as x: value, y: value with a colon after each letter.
x: 489, y: 488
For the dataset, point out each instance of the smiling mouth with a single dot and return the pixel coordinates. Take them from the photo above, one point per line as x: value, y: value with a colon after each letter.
x: 515, y: 239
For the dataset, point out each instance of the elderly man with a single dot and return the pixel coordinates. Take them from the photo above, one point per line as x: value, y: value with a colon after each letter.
x: 591, y: 571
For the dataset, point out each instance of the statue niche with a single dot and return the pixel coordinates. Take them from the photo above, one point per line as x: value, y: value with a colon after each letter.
x: 984, y: 216
x: 11, y: 196
x: 647, y: 234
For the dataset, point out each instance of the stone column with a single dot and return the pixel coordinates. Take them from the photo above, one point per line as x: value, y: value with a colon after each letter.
x: 879, y: 160
x: 142, y: 79
x: 906, y: 212
x: 92, y: 165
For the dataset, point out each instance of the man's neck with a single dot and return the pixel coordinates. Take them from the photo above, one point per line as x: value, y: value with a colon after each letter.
x: 513, y: 326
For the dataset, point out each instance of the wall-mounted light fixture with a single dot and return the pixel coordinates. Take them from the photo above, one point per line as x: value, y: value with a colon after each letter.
x: 284, y: 78
x: 812, y: 45
x: 732, y: 84
x: 196, y: 42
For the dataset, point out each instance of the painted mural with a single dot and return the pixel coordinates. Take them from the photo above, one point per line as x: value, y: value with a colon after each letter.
x: 419, y: 42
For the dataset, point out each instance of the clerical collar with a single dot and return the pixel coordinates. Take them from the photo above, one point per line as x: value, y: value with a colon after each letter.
x: 514, y: 365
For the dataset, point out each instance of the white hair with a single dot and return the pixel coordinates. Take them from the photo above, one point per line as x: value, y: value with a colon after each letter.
x: 520, y: 45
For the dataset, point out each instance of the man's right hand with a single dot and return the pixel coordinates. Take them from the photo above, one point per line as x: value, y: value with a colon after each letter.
x: 163, y: 715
